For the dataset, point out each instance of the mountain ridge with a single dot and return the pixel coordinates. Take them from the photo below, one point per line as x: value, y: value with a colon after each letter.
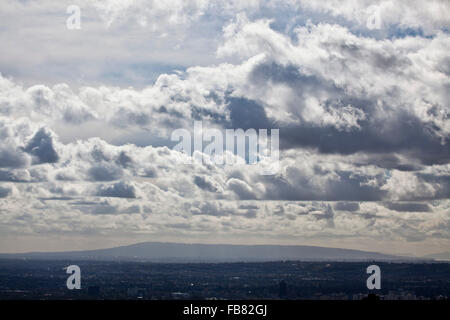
x: 197, y: 252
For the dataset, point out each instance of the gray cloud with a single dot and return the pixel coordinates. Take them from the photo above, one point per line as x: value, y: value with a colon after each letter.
x: 120, y: 189
x: 242, y: 189
x: 327, y: 214
x: 4, y: 192
x: 408, y: 206
x: 12, y: 159
x: 363, y: 119
x: 105, y: 172
x: 42, y: 147
x: 347, y: 206
x: 204, y: 184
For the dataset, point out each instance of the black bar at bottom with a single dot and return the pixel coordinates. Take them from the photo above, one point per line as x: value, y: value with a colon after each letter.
x: 224, y: 309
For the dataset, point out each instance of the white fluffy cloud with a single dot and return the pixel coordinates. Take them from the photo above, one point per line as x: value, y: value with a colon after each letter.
x: 428, y: 16
x: 363, y: 119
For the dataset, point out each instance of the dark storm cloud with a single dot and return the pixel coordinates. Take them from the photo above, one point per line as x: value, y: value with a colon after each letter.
x: 250, y: 214
x: 4, y: 192
x: 124, y: 160
x: 41, y: 146
x: 120, y: 190
x: 202, y: 183
x: 200, y: 113
x: 440, y: 181
x: 247, y: 114
x: 407, y: 136
x: 12, y: 158
x: 105, y: 173
x: 278, y: 188
x: 56, y: 198
x: 249, y: 211
x: 347, y: 206
x: 408, y: 206
x: 353, y: 187
x: 349, y: 187
x: 11, y: 176
x: 248, y: 207
x: 150, y: 173
x: 403, y: 132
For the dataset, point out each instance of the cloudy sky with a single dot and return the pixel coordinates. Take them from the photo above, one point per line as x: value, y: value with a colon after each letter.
x: 359, y: 90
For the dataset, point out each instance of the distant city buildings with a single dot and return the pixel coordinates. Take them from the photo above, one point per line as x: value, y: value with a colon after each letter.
x: 43, y: 280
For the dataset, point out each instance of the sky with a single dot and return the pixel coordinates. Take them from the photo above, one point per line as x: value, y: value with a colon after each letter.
x: 359, y: 91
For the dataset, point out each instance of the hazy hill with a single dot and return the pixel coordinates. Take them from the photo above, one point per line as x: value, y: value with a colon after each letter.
x: 177, y: 252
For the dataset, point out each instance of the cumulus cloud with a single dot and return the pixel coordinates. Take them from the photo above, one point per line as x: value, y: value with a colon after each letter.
x: 12, y: 158
x: 309, y: 87
x: 42, y: 147
x: 241, y: 188
x: 429, y: 17
x: 120, y: 190
x: 104, y: 173
x: 4, y: 192
x: 363, y: 119
x: 409, y: 206
x: 402, y: 14
x: 347, y: 206
x: 205, y: 183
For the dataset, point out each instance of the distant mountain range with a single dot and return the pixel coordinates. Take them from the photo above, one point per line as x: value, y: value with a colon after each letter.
x: 177, y: 252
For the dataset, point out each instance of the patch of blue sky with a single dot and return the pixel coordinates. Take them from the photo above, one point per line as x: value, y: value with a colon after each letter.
x: 137, y: 74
